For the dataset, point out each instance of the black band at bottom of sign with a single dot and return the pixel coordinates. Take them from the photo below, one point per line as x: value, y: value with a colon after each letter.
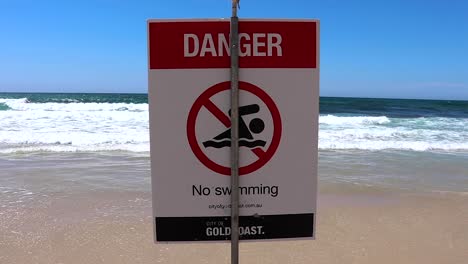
x: 219, y: 228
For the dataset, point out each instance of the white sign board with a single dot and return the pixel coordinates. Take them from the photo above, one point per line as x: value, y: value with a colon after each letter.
x: 189, y: 97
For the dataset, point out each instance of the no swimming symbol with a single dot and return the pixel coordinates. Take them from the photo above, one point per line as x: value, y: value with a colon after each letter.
x: 247, y: 132
x: 256, y: 126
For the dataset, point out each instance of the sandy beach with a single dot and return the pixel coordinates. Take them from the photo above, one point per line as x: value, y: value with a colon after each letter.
x: 102, y: 214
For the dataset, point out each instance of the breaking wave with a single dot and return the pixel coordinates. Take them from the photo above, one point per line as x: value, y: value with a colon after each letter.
x: 73, y: 124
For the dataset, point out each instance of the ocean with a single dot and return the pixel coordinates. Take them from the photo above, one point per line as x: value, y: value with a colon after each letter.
x: 383, y: 142
x: 119, y: 122
x: 75, y: 184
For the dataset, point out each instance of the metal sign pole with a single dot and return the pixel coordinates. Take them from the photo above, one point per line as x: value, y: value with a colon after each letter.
x: 234, y: 134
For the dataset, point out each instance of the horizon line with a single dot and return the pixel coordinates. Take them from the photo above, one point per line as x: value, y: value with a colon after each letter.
x: 320, y: 96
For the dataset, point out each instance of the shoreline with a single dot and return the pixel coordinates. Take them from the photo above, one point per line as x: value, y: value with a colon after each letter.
x: 352, y: 227
x: 96, y: 208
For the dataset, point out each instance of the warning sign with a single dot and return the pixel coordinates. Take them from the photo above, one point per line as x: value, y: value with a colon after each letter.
x: 247, y: 131
x: 190, y: 128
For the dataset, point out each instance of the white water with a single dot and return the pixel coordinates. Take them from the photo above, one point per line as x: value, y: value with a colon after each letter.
x: 59, y: 127
x: 73, y: 127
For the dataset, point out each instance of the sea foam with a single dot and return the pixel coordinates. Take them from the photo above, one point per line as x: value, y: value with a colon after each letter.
x: 70, y: 127
x: 57, y: 127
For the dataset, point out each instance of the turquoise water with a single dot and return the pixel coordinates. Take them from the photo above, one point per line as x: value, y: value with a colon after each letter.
x: 394, y: 108
x: 409, y: 108
x: 78, y: 97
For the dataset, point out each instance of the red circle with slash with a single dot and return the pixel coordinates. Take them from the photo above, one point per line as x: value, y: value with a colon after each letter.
x: 204, y: 101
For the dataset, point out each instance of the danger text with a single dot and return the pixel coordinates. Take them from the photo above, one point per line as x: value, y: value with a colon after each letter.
x: 250, y: 45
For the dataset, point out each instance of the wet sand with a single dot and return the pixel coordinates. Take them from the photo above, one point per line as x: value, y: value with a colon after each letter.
x: 355, y: 227
x: 96, y: 208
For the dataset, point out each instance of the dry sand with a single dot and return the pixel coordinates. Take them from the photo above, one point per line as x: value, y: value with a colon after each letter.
x: 352, y: 228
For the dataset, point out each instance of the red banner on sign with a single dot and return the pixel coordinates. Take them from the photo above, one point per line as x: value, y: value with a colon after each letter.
x: 205, y: 44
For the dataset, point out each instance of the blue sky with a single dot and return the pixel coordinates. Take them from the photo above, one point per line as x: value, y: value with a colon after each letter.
x: 396, y: 49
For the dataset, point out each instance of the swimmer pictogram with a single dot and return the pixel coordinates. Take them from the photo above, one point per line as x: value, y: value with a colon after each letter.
x: 262, y: 149
x: 246, y: 138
